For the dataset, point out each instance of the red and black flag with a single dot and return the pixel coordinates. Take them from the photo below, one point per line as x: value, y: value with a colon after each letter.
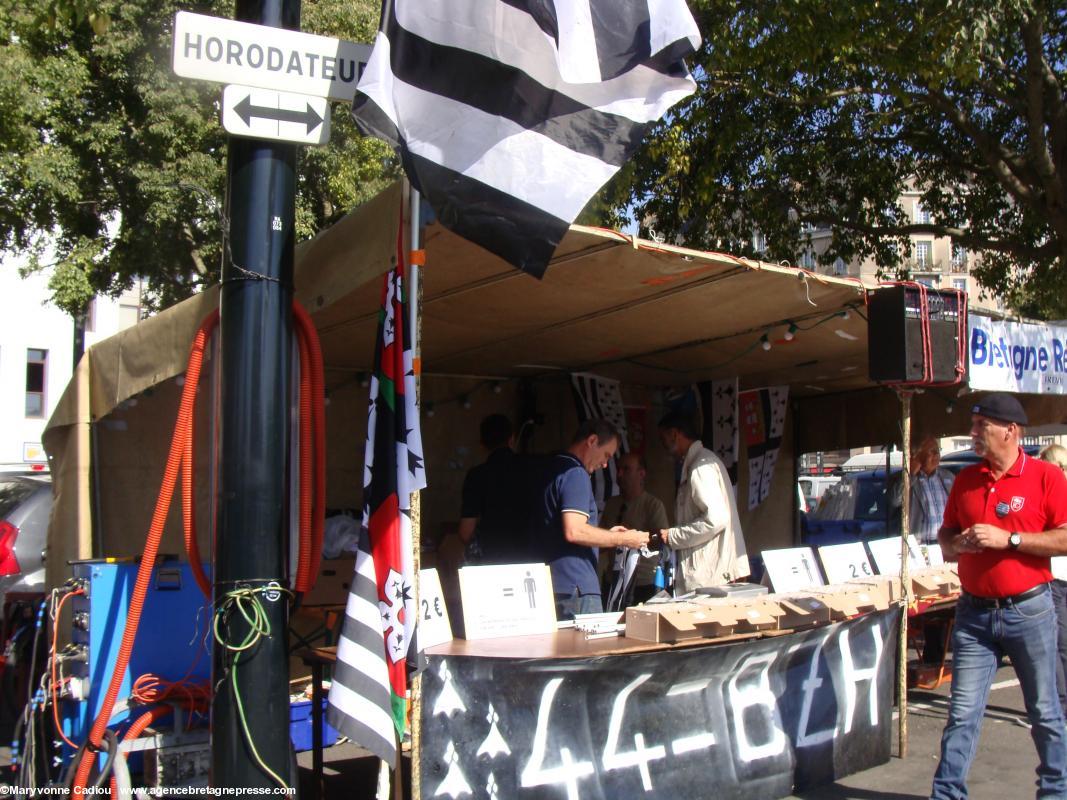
x: 368, y: 696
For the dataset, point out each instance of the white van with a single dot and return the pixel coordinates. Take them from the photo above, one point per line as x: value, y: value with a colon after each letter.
x: 813, y: 487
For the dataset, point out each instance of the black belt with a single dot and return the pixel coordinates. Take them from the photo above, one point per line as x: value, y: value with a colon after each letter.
x: 1001, y: 602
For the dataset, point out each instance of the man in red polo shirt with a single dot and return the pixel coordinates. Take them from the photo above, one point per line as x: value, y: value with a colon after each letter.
x: 1005, y: 517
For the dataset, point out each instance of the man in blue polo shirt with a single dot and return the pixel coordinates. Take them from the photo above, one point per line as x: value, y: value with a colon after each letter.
x: 1005, y: 516
x: 564, y: 532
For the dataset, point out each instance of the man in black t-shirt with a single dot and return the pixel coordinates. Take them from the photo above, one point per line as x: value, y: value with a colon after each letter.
x: 483, y: 524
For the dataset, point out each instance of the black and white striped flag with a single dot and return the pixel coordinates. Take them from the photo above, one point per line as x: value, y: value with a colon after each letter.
x: 360, y: 703
x: 509, y: 115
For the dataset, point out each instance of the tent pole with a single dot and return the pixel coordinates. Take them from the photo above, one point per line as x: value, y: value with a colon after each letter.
x: 415, y: 295
x: 905, y: 578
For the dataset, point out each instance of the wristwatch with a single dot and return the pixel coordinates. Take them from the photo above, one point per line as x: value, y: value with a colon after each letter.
x: 1014, y: 540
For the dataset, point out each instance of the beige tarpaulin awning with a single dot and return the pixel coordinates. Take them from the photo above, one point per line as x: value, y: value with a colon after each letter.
x: 640, y: 311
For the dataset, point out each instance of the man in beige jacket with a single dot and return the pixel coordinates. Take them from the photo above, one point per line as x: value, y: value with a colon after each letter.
x: 707, y: 532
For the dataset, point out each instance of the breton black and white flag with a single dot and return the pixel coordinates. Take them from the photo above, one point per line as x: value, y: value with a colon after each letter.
x: 509, y: 115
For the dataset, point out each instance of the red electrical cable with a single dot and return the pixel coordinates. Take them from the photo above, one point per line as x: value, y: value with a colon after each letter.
x: 305, y: 434
x: 52, y: 688
x: 318, y: 439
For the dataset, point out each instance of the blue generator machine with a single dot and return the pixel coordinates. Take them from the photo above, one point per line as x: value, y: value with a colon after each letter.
x: 173, y: 639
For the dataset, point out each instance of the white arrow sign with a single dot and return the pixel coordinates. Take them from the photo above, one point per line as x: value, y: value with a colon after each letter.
x: 266, y: 114
x: 228, y: 51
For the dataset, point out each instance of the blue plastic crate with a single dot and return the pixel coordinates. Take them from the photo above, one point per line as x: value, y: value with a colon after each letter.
x: 300, y: 726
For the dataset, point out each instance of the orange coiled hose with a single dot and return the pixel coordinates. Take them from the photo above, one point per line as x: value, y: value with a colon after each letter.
x: 192, y: 548
x: 304, y: 558
x: 136, y: 729
x: 317, y: 442
x: 151, y: 549
x: 180, y: 458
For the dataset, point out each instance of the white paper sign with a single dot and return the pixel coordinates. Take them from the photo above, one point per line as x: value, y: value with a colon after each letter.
x: 886, y: 555
x: 934, y: 555
x: 792, y: 569
x: 434, y: 625
x: 845, y: 562
x: 507, y: 600
x: 1017, y: 356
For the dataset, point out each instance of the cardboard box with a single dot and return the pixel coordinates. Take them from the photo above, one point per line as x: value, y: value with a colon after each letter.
x: 888, y: 585
x: 935, y: 582
x: 801, y: 611
x: 331, y: 587
x: 701, y: 618
x: 848, y: 600
x: 751, y: 614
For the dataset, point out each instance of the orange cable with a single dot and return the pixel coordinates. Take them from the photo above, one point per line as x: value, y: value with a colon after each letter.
x: 52, y: 688
x: 144, y: 571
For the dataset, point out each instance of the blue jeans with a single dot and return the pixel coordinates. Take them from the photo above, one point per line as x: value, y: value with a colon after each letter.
x: 567, y: 605
x: 1026, y: 633
x: 1059, y: 600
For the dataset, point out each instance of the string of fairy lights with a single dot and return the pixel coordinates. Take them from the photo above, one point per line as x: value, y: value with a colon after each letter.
x: 495, y: 386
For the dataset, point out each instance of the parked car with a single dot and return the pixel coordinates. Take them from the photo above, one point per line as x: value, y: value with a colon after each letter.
x: 853, y: 509
x: 964, y: 458
x: 813, y: 487
x: 25, y: 506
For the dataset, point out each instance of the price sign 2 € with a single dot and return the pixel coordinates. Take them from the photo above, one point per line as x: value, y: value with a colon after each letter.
x: 281, y: 116
x: 434, y: 627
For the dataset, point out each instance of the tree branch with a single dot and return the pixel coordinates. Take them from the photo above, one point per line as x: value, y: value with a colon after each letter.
x: 1035, y: 122
x: 1004, y: 165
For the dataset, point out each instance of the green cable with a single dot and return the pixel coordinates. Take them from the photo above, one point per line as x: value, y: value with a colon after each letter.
x: 246, y: 601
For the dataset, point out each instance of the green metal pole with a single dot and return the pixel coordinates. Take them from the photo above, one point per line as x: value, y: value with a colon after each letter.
x: 250, y: 711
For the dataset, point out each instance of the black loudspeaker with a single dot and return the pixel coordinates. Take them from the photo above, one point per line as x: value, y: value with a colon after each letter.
x: 895, y: 335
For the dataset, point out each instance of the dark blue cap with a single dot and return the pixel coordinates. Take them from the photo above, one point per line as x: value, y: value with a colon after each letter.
x: 1001, y: 406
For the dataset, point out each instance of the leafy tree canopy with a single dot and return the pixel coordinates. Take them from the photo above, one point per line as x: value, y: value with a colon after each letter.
x: 822, y: 112
x: 112, y: 167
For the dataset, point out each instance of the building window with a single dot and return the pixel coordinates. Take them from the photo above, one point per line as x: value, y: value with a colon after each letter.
x: 36, y: 370
x: 807, y: 259
x: 923, y: 254
x: 928, y: 281
x: 759, y: 243
x: 960, y: 284
x: 922, y: 216
x: 840, y: 267
x: 959, y: 258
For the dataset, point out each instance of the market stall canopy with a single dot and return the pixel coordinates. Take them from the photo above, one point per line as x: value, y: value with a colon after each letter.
x: 636, y: 310
x: 640, y: 311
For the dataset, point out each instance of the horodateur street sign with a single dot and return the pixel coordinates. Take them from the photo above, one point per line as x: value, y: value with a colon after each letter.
x: 229, y: 51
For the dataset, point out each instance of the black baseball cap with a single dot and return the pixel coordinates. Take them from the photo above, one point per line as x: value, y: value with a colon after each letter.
x: 1001, y: 406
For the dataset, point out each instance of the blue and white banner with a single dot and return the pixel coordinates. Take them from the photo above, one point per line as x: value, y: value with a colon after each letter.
x: 1017, y: 356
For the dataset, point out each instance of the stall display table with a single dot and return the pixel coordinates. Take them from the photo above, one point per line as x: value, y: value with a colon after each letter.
x: 560, y: 716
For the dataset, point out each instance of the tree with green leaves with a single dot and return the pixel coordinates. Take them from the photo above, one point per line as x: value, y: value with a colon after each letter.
x: 823, y: 112
x: 113, y: 168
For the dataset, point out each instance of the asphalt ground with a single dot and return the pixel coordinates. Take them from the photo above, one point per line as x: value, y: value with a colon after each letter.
x: 1004, y: 768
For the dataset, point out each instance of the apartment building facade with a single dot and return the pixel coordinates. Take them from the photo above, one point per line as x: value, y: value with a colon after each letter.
x: 936, y: 261
x: 37, y: 355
